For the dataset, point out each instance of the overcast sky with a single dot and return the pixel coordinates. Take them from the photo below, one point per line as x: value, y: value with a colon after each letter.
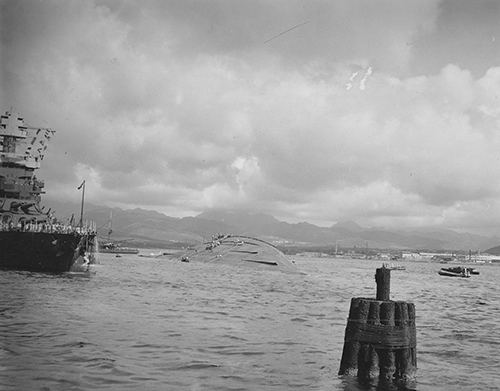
x: 382, y: 112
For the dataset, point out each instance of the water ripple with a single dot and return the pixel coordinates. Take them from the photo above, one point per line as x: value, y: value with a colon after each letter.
x: 160, y: 325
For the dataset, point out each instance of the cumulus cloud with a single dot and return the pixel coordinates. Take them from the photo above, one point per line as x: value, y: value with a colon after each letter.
x: 182, y: 106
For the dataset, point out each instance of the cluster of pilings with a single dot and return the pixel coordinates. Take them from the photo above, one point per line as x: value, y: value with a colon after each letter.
x: 380, y: 336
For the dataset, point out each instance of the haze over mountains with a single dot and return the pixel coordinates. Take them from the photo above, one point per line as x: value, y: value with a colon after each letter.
x: 148, y: 228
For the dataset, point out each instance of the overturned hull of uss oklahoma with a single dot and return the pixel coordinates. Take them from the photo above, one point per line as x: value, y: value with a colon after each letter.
x: 240, y: 250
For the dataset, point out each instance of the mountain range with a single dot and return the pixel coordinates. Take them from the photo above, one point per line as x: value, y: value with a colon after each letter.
x: 147, y: 228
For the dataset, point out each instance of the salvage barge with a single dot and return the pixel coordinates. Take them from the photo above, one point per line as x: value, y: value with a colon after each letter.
x: 31, y: 238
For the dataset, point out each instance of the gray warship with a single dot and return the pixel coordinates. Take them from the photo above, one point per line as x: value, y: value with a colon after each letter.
x: 31, y: 238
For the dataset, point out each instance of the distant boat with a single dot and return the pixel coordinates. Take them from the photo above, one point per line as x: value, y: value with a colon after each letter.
x: 392, y: 266
x: 113, y: 248
x: 458, y: 271
x: 152, y: 255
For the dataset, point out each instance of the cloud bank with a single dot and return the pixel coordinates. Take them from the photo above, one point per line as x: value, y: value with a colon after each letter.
x: 183, y: 106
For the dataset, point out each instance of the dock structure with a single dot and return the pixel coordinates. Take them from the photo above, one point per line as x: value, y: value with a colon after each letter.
x: 380, y: 337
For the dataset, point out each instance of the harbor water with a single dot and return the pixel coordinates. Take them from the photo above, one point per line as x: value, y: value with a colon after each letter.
x: 158, y: 324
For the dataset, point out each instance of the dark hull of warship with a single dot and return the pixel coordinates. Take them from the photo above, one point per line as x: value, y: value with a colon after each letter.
x: 39, y: 251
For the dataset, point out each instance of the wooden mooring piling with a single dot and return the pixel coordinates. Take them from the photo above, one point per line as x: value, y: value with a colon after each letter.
x: 380, y: 336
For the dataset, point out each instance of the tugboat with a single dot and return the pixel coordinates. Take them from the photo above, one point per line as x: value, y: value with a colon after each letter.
x: 31, y: 238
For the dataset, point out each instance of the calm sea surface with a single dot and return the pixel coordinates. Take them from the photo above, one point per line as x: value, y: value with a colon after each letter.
x: 158, y: 324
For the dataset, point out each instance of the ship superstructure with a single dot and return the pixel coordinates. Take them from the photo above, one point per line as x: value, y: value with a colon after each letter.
x: 22, y: 149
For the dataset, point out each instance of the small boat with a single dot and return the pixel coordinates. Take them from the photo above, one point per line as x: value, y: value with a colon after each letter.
x: 392, y: 266
x: 151, y: 255
x: 114, y: 248
x: 458, y: 271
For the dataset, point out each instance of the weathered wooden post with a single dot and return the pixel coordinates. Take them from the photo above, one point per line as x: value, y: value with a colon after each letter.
x: 383, y: 280
x: 380, y: 336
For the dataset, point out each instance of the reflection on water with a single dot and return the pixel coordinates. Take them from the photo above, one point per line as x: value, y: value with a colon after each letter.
x: 159, y: 324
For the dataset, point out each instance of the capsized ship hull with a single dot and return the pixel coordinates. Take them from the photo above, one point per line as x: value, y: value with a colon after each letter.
x: 240, y: 250
x: 41, y: 251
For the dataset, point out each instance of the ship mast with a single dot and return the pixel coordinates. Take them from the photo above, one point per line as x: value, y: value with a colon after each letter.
x: 82, y: 186
x: 110, y: 229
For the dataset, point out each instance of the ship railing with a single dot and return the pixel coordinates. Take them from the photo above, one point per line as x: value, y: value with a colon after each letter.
x: 87, y: 229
